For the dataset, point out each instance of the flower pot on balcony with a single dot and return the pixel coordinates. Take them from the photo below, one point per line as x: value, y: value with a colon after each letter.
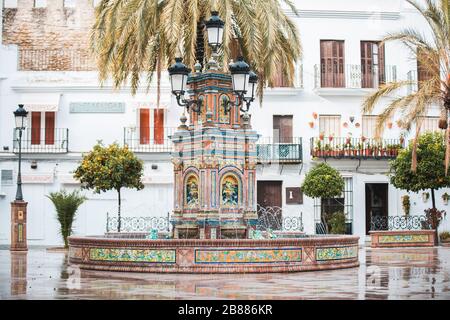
x: 311, y: 124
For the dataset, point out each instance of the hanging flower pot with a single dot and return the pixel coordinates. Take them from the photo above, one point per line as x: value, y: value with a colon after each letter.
x: 311, y: 124
x: 425, y: 196
x: 357, y: 125
x: 445, y: 198
x: 389, y: 125
x: 315, y: 115
x: 345, y: 125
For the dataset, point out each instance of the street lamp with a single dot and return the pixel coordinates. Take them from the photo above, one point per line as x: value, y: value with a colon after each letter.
x: 18, y: 206
x: 20, y: 116
x: 179, y: 73
x: 214, y: 27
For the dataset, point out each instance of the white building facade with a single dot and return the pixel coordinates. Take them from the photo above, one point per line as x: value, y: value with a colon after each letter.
x: 69, y: 112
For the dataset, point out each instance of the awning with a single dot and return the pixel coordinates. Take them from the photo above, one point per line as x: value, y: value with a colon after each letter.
x: 42, y: 102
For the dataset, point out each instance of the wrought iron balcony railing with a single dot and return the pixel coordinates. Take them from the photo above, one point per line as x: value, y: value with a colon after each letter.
x: 149, y: 139
x: 352, y: 76
x: 270, y: 150
x: 42, y: 140
x: 357, y: 148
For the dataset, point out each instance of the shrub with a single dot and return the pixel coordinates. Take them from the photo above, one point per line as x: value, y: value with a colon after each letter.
x: 323, y: 181
x: 337, y: 223
x: 444, y: 235
x: 66, y: 205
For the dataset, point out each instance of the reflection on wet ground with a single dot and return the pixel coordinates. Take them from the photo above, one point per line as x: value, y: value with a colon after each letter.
x: 414, y: 273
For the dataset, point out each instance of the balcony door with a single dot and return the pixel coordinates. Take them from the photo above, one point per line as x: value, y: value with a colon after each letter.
x: 282, y: 129
x: 372, y: 64
x: 332, y: 64
x: 146, y: 117
x: 42, y: 122
x: 269, y: 197
x: 376, y: 202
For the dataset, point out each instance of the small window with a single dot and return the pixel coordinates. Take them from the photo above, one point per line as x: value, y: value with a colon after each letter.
x: 69, y: 3
x: 330, y: 125
x: 40, y: 3
x: 7, y: 177
x: 10, y: 4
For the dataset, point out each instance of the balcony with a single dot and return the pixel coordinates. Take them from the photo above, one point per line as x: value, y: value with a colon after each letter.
x: 151, y: 139
x: 42, y: 141
x: 352, y: 76
x: 355, y: 148
x: 270, y: 150
x: 280, y: 80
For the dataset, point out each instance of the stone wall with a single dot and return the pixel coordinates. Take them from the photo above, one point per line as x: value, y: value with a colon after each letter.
x: 54, y: 38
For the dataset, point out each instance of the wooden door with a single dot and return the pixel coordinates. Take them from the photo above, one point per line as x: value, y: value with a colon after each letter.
x: 269, y: 194
x: 372, y: 64
x: 376, y: 202
x: 144, y: 126
x: 158, y: 132
x: 282, y: 129
x: 332, y: 67
x: 35, y: 128
x: 50, y: 128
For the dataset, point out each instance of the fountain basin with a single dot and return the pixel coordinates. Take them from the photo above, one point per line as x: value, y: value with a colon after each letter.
x: 214, y: 256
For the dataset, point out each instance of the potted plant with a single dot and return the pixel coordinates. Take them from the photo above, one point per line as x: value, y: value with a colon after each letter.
x: 425, y: 196
x: 336, y: 223
x: 445, y: 198
x: 66, y: 205
x: 406, y: 204
x: 444, y: 236
x: 311, y: 124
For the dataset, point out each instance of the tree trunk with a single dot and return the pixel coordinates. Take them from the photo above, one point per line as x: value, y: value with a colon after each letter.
x: 119, y: 218
x: 433, y: 199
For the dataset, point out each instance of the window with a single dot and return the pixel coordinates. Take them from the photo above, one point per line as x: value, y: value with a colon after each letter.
x: 40, y: 3
x: 372, y: 64
x: 344, y: 204
x: 430, y: 124
x: 147, y: 133
x: 6, y: 177
x: 330, y: 125
x: 9, y: 3
x: 423, y: 73
x: 42, y: 123
x: 332, y: 67
x: 369, y: 124
x: 70, y: 3
x: 282, y: 129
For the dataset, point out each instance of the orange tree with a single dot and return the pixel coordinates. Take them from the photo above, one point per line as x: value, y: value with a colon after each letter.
x: 110, y: 168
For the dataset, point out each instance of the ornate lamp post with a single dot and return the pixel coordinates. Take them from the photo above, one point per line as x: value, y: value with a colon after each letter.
x: 18, y: 206
x: 244, y: 80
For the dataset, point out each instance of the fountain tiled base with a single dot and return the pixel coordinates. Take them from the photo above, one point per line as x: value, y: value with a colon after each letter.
x: 214, y: 256
x: 406, y: 238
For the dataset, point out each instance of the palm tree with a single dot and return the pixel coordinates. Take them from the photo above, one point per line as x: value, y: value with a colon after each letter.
x: 136, y: 37
x: 433, y: 57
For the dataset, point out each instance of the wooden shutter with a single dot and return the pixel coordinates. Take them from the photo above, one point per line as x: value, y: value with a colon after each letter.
x: 429, y: 124
x: 35, y: 128
x: 369, y: 126
x: 372, y: 55
x: 332, y: 67
x: 50, y: 128
x: 330, y: 125
x: 423, y: 73
x: 144, y: 126
x: 158, y: 132
x: 282, y: 128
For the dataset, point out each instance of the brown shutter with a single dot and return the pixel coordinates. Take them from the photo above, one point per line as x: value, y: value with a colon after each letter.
x: 144, y: 125
x: 35, y: 128
x: 367, y: 64
x: 159, y: 126
x: 282, y: 128
x: 381, y: 64
x: 332, y: 66
x: 423, y: 73
x: 50, y: 128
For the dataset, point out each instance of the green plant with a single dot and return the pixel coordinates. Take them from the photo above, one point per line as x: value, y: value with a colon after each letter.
x: 444, y: 236
x: 110, y: 168
x: 446, y: 197
x: 66, y: 205
x: 430, y: 173
x: 323, y: 181
x: 406, y: 204
x: 336, y: 223
x: 425, y: 196
x: 434, y: 218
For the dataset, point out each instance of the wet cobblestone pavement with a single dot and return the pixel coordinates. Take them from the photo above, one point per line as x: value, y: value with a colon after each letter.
x: 413, y: 273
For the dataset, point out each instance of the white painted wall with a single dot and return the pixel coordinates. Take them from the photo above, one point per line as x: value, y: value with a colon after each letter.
x: 351, y: 20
